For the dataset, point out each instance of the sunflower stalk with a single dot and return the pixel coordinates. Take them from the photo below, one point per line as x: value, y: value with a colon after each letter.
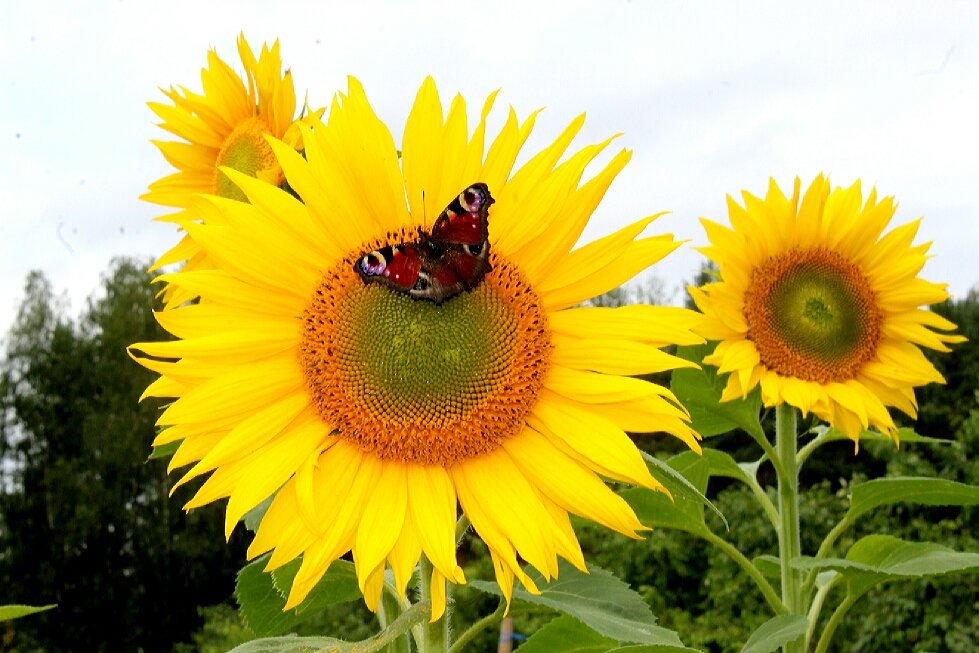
x: 434, y: 634
x: 789, y: 543
x: 388, y: 611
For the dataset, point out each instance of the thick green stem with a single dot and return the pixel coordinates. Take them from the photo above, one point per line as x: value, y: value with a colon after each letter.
x: 388, y: 611
x: 434, y: 635
x: 789, y: 544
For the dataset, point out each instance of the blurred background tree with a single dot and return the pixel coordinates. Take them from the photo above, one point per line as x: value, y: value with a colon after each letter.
x: 85, y: 520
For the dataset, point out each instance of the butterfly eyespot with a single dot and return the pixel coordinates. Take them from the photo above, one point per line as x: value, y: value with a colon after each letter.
x: 477, y: 249
x: 373, y: 264
x: 473, y: 197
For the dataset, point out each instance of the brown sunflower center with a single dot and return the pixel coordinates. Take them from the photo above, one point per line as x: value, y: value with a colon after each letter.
x: 411, y: 381
x: 812, y: 315
x: 245, y: 150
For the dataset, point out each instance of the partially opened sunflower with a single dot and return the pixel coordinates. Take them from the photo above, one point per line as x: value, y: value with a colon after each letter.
x: 822, y: 308
x: 224, y: 126
x: 373, y: 416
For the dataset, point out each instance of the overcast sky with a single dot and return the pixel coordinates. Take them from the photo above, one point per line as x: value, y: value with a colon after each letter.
x: 711, y: 98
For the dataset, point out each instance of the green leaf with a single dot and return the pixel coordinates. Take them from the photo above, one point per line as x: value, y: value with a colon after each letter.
x: 262, y: 595
x: 878, y: 558
x: 768, y: 565
x: 900, y: 558
x: 653, y: 648
x: 776, y: 632
x: 338, y: 585
x: 679, y: 485
x: 904, y: 435
x: 254, y: 516
x: 381, y: 642
x: 599, y: 600
x: 922, y: 491
x: 8, y: 612
x: 722, y: 464
x: 565, y: 634
x: 699, y: 390
x: 164, y: 450
x: 682, y: 513
x: 293, y: 644
x: 260, y: 603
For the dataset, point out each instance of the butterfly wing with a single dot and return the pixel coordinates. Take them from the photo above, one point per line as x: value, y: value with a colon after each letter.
x: 437, y: 267
x: 397, y: 266
x: 465, y: 221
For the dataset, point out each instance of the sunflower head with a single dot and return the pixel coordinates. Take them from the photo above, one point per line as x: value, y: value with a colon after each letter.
x: 820, y: 307
x: 224, y: 127
x: 373, y: 416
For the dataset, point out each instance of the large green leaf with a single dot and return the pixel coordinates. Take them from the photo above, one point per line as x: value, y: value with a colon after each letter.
x: 260, y: 603
x: 8, y: 612
x: 878, y: 558
x: 923, y: 491
x: 699, y: 390
x: 338, y: 585
x: 599, y: 600
x: 262, y: 595
x: 776, y: 632
x: 565, y: 634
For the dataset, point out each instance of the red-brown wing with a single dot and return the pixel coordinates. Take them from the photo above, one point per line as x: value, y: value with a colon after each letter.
x: 397, y: 266
x: 438, y: 267
x: 465, y: 221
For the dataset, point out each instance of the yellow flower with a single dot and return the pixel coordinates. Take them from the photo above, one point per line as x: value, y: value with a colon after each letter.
x: 820, y: 307
x: 373, y: 415
x: 223, y: 127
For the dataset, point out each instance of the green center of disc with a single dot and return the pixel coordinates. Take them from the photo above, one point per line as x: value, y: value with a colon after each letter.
x: 816, y: 312
x: 415, y: 358
x: 245, y: 150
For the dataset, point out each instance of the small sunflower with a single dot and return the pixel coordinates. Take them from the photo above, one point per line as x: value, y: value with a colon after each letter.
x: 820, y: 307
x: 223, y: 127
x: 373, y: 416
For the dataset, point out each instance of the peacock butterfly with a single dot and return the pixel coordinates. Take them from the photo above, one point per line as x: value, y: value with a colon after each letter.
x: 437, y: 267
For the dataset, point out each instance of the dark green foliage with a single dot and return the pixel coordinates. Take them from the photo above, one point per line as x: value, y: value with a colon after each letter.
x: 943, y: 408
x: 699, y: 592
x: 85, y: 521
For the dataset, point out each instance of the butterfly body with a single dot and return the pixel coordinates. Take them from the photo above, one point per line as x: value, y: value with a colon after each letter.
x: 438, y: 266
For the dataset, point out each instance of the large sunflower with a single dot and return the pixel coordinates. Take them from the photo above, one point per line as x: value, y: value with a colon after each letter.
x: 372, y: 415
x: 820, y: 307
x: 225, y: 126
